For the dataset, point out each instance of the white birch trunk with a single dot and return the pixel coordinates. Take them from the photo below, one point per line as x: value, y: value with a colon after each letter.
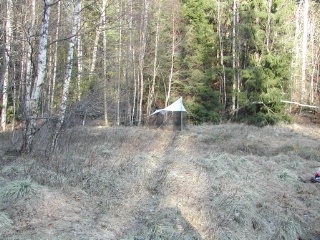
x: 223, y: 84
x: 28, y: 81
x: 95, y: 50
x: 313, y: 62
x: 128, y: 64
x: 135, y: 89
x: 67, y: 77
x: 268, y: 30
x: 6, y: 54
x: 80, y: 56
x: 96, y: 43
x: 55, y: 61
x: 234, y: 83
x: 155, y: 62
x: 143, y: 33
x: 238, y: 50
x: 31, y: 108
x: 295, y: 92
x: 304, y: 51
x: 119, y: 63
x: 14, y: 106
x: 104, y: 19
x: 172, y: 58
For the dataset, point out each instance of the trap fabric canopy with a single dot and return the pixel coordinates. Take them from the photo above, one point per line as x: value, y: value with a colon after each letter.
x: 177, y: 106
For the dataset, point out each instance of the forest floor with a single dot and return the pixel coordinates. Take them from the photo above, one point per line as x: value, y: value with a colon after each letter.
x: 227, y: 181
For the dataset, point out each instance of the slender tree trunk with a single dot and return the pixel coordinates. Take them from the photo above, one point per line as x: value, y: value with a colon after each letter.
x: 119, y: 64
x: 67, y: 77
x: 29, y: 70
x: 138, y: 91
x: 238, y: 51
x: 104, y: 19
x: 313, y: 62
x: 143, y: 42
x: 317, y: 83
x: 295, y: 80
x: 268, y: 30
x: 304, y: 51
x: 21, y: 86
x: 223, y: 84
x: 31, y: 108
x: 155, y: 62
x: 95, y: 49
x: 128, y: 64
x: 6, y: 59
x: 80, y: 56
x: 173, y: 46
x: 14, y: 105
x: 234, y: 84
x: 135, y: 89
x: 55, y: 60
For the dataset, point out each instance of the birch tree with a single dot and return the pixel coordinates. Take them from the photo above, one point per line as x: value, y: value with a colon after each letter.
x: 313, y: 61
x: 155, y: 60
x: 95, y: 49
x: 234, y: 60
x: 173, y: 46
x: 128, y: 61
x: 29, y: 69
x: 119, y: 8
x: 295, y: 61
x: 304, y: 50
x: 67, y: 76
x: 55, y: 61
x: 143, y: 43
x: 268, y: 28
x: 221, y: 51
x: 80, y: 56
x: 31, y: 105
x: 104, y: 22
x: 5, y: 62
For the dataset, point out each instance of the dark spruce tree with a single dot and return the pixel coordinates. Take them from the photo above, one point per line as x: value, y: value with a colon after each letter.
x: 265, y: 56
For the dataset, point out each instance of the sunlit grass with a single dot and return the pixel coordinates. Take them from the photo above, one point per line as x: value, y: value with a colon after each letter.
x: 209, y: 182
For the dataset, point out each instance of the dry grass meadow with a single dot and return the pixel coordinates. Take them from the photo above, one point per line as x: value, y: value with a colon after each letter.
x: 225, y: 181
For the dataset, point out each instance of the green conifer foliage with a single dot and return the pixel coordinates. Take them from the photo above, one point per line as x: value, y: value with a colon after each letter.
x: 265, y: 60
x: 198, y: 56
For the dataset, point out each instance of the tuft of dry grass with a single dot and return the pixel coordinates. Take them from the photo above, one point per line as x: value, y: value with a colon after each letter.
x: 18, y: 189
x: 5, y: 221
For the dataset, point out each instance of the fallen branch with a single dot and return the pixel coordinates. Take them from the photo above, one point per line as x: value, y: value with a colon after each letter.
x: 300, y: 104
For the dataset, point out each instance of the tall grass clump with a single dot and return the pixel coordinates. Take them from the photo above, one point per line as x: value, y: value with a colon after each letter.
x: 18, y: 189
x: 288, y: 230
x: 5, y: 224
x: 5, y: 221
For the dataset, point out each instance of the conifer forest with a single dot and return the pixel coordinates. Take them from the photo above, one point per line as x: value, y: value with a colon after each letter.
x: 69, y: 61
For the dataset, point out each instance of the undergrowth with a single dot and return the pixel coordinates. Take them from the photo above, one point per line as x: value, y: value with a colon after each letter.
x: 210, y: 182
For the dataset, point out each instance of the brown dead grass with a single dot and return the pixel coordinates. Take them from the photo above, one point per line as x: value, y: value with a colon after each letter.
x: 211, y: 182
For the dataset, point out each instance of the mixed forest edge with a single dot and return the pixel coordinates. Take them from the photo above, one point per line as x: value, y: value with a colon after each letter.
x: 116, y: 61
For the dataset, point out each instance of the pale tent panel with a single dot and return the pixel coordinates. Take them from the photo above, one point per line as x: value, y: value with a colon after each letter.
x: 172, y: 117
x: 177, y: 106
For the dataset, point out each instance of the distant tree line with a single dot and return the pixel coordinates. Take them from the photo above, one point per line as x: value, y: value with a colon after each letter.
x: 118, y: 60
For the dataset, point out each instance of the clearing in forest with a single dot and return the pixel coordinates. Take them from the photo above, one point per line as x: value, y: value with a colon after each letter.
x: 225, y: 181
